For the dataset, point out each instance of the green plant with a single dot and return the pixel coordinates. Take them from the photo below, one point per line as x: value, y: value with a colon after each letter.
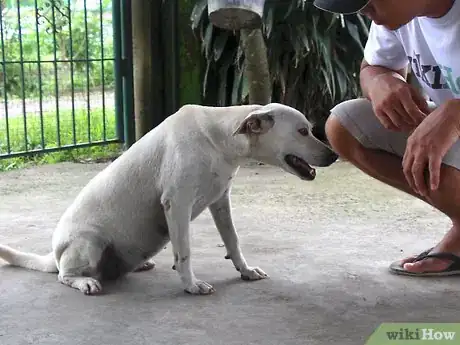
x: 34, y: 140
x: 64, y: 30
x: 314, y: 57
x: 189, y: 56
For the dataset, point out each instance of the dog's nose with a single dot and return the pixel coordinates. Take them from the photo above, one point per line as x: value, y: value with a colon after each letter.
x: 329, y: 159
x: 333, y: 157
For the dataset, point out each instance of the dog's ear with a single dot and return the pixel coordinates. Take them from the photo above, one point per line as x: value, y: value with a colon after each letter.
x: 257, y: 122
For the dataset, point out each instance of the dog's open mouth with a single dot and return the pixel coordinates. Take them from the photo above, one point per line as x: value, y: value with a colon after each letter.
x: 300, y: 167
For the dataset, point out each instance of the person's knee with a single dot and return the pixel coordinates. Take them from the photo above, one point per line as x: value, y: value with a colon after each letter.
x: 342, y: 131
x: 333, y: 129
x: 339, y: 137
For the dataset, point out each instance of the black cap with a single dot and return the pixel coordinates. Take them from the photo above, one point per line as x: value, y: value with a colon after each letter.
x: 341, y: 6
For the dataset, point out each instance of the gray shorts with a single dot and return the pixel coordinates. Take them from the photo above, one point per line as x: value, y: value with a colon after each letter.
x: 358, y: 117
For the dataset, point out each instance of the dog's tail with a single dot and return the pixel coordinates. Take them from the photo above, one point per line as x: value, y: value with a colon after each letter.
x: 43, y: 263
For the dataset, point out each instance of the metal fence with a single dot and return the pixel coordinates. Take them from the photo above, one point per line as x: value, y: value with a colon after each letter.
x: 65, y: 78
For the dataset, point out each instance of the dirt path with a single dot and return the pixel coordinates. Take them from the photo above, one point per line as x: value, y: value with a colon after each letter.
x: 32, y: 107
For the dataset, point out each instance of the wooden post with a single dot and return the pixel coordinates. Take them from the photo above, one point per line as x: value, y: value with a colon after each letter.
x: 142, y: 13
x: 170, y: 51
x: 256, y: 66
x: 155, y: 62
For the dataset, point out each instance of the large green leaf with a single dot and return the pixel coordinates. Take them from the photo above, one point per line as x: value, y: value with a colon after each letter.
x: 237, y: 85
x: 354, y: 33
x: 219, y: 44
x: 198, y: 13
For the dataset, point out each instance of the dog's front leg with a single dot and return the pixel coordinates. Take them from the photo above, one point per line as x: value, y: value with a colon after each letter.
x: 178, y: 218
x: 221, y: 213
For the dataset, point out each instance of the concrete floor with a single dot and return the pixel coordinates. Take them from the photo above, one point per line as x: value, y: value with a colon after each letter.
x: 325, y: 244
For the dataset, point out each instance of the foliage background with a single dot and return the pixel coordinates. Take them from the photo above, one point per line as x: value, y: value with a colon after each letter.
x: 61, y: 29
x: 314, y: 57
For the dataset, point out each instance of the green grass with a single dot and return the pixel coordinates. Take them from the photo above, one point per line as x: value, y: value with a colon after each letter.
x: 32, y: 139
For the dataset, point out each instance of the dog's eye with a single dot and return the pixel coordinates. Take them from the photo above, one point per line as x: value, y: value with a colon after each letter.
x: 304, y: 131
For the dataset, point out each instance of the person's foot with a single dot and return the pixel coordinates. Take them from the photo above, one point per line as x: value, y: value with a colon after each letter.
x: 449, y: 244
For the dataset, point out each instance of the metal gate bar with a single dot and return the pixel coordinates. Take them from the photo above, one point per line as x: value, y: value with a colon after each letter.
x: 46, y: 43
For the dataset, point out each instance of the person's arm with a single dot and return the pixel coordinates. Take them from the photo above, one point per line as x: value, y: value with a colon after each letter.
x: 428, y: 144
x: 368, y: 74
x: 397, y: 104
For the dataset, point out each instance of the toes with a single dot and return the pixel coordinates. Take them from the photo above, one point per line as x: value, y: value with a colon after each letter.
x: 254, y: 274
x: 206, y: 288
x: 91, y: 287
x: 408, y: 260
x: 200, y: 288
x: 427, y: 265
x: 412, y: 266
x: 146, y: 266
x: 261, y: 273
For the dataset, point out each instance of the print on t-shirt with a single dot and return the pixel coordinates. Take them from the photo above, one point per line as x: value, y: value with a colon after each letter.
x: 431, y: 75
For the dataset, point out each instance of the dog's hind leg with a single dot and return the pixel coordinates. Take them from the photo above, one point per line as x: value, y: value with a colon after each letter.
x: 79, y: 271
x: 87, y: 285
x: 145, y: 266
x: 221, y: 213
x: 86, y: 261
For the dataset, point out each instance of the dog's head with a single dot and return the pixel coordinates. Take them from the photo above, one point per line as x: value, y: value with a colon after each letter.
x: 282, y: 136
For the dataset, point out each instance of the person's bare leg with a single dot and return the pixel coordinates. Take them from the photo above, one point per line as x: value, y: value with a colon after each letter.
x: 387, y: 168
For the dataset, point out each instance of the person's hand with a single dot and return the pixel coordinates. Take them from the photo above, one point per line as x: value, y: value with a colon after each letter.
x: 398, y: 105
x: 427, y: 146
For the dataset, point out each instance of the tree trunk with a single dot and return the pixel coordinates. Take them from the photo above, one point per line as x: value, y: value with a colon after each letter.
x: 142, y: 65
x: 256, y: 66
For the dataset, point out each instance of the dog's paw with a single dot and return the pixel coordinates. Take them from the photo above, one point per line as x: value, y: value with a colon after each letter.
x: 200, y: 288
x: 253, y: 273
x: 145, y: 266
x: 87, y: 285
x: 90, y: 286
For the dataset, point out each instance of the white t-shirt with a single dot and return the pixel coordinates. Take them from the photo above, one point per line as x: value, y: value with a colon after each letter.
x: 430, y: 45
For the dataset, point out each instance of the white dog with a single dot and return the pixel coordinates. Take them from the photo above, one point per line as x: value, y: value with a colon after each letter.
x: 147, y: 197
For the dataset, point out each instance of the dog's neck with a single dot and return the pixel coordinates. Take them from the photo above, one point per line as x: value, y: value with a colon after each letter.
x: 235, y: 147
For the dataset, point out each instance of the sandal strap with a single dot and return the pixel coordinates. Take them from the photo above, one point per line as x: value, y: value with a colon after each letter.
x: 446, y: 256
x: 423, y: 254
